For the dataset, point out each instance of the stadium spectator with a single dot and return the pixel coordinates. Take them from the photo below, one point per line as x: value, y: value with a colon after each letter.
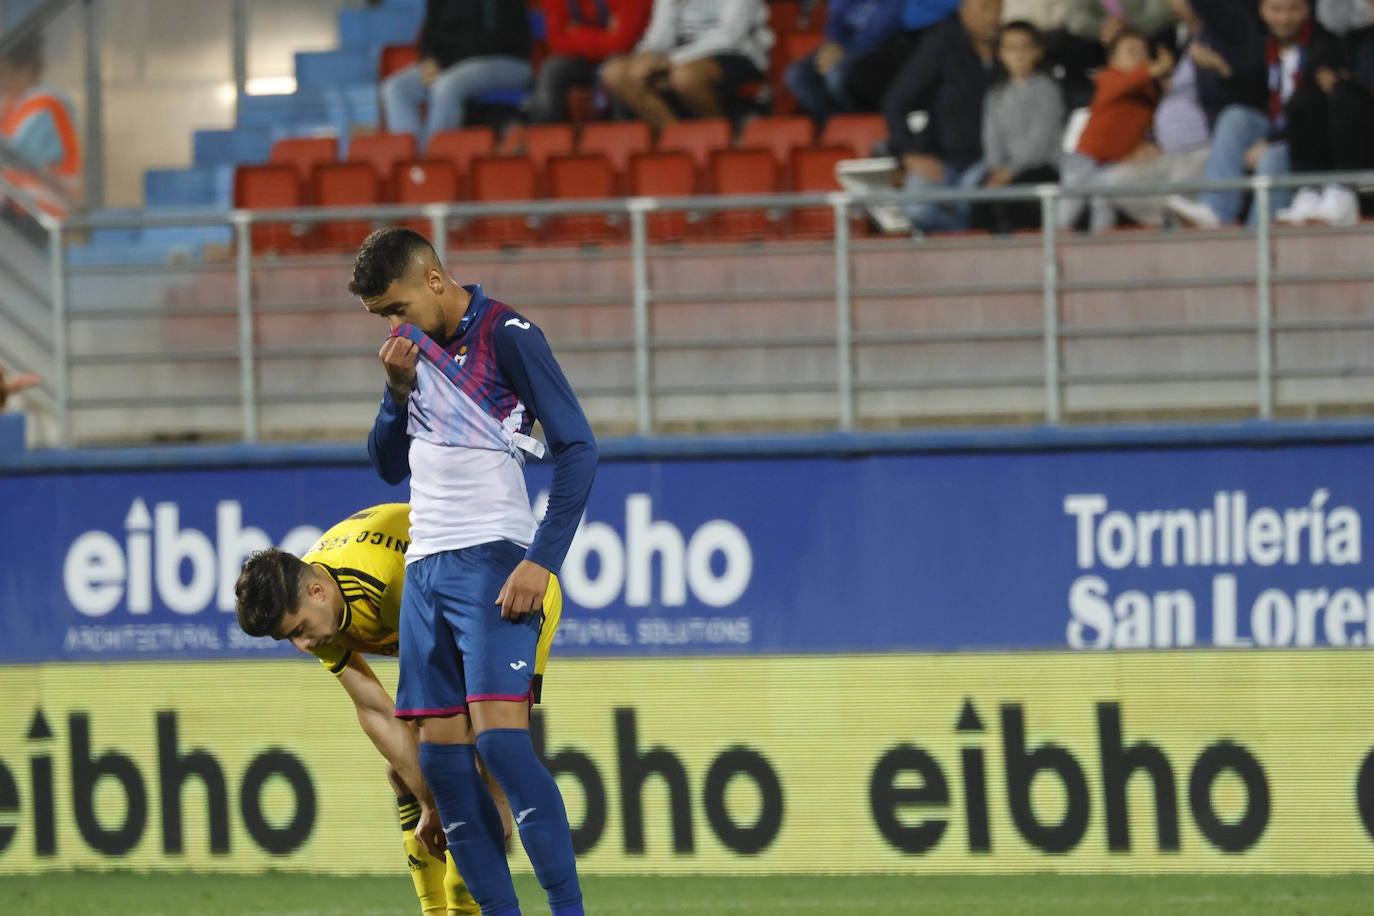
x: 947, y: 79
x: 38, y: 129
x: 854, y: 28
x: 1181, y: 133
x: 338, y: 601
x: 467, y: 48
x: 1331, y: 128
x: 479, y: 565
x: 1122, y: 110
x: 692, y: 60
x: 581, y: 35
x: 1023, y: 120
x: 870, y: 74
x: 1077, y: 50
x: 12, y: 386
x: 1267, y: 60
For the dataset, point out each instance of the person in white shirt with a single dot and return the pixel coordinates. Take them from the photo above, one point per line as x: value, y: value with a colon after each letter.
x: 694, y: 55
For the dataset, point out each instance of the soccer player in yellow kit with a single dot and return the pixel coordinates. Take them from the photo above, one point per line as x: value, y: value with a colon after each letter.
x: 343, y: 599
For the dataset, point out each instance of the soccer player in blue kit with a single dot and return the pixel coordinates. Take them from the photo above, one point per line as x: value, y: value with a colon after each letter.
x: 466, y: 378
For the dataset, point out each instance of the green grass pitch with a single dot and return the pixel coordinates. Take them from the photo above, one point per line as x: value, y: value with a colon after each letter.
x: 296, y: 895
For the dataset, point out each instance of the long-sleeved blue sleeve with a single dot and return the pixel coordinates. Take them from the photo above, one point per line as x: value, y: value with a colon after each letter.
x: 524, y: 357
x: 388, y: 445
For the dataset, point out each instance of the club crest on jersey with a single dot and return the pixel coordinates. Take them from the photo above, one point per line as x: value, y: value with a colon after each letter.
x: 462, y: 355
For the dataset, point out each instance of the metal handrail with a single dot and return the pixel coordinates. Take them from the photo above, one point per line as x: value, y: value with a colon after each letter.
x: 1054, y: 378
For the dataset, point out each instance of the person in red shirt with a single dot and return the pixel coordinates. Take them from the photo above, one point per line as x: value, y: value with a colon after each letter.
x: 581, y: 35
x: 1119, y: 119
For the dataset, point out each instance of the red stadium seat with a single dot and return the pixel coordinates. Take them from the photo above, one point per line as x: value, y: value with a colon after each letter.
x: 781, y: 134
x: 665, y: 174
x: 396, y: 57
x: 424, y: 181
x: 583, y: 176
x: 270, y: 186
x: 304, y: 153
x: 858, y: 131
x: 698, y: 137
x: 813, y: 170
x: 617, y: 141
x: 784, y: 15
x: 746, y: 170
x: 382, y: 151
x: 498, y: 178
x: 460, y: 147
x: 538, y: 142
x: 344, y: 184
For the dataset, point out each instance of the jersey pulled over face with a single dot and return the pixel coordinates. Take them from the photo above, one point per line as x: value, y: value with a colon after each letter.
x: 365, y: 556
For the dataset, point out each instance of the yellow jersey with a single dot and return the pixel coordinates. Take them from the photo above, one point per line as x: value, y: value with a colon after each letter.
x: 365, y: 555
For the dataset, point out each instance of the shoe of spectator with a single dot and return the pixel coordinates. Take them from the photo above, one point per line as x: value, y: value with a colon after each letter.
x: 1193, y: 212
x: 1338, y: 207
x: 1305, y: 208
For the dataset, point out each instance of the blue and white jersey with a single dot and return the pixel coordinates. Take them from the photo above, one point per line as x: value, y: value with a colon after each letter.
x: 464, y: 435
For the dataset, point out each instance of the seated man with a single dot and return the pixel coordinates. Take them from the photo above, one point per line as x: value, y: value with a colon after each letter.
x: 342, y: 599
x: 947, y: 78
x: 696, y: 54
x: 467, y: 48
x: 581, y: 34
x: 853, y: 28
x: 1270, y: 58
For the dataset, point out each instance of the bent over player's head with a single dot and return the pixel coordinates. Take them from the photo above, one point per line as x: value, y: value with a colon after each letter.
x: 281, y: 596
x: 268, y: 587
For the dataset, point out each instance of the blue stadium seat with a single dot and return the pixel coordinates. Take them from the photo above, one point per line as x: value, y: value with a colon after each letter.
x: 372, y: 28
x: 231, y: 147
x: 341, y: 67
x: 194, y: 187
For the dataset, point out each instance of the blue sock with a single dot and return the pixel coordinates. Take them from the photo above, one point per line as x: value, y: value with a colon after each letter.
x: 467, y: 812
x: 539, y: 813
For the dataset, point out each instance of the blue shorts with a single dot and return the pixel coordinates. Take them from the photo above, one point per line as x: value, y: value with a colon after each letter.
x: 455, y: 647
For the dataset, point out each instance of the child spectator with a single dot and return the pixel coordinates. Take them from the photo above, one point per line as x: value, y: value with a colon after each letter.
x: 696, y: 54
x: 1023, y: 121
x: 853, y: 28
x: 1122, y: 108
x: 581, y: 34
x: 1181, y: 137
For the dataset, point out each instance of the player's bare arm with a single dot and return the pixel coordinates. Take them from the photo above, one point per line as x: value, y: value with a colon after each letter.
x: 397, y: 740
x: 523, y: 593
x: 398, y: 357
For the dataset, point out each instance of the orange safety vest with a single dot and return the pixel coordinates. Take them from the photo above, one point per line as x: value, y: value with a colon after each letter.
x: 66, y: 171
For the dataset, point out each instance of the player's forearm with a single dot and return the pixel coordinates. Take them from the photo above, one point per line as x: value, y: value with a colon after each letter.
x: 399, y: 743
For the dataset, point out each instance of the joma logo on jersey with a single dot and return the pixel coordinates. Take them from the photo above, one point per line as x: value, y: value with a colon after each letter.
x: 184, y: 567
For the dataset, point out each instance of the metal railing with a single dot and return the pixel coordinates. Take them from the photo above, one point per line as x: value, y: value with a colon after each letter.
x: 835, y: 403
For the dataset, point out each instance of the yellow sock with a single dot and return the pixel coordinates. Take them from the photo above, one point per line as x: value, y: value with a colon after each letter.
x: 460, y: 902
x: 426, y: 871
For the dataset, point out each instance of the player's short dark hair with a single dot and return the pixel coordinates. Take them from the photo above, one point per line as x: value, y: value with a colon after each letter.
x: 384, y: 257
x: 267, y: 588
x: 26, y: 53
x: 1027, y: 28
